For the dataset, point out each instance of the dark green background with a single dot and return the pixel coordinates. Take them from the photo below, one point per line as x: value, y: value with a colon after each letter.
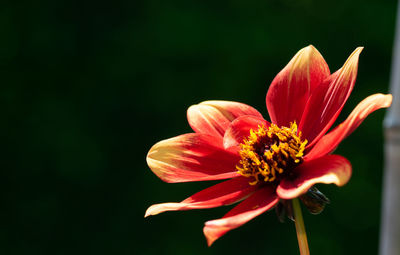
x: 87, y: 87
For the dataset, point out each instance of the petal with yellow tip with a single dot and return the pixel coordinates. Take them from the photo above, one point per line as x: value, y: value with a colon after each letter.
x: 328, y: 99
x: 224, y: 193
x: 214, y: 117
x: 291, y: 88
x: 192, y: 157
x: 330, y: 141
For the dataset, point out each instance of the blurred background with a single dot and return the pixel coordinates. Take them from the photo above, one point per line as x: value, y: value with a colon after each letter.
x: 87, y: 87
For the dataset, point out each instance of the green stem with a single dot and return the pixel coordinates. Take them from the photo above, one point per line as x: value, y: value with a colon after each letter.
x: 300, y: 229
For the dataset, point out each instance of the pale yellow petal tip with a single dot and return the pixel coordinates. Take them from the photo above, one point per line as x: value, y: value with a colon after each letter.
x: 220, y: 104
x: 310, y: 50
x: 154, y: 150
x: 303, y: 57
x: 353, y: 58
x: 148, y: 212
x: 389, y: 100
x: 209, y: 235
x: 351, y: 64
x: 208, y: 103
x: 191, y: 110
x: 356, y: 52
x: 152, y: 210
x: 212, y: 102
x: 155, y: 166
x: 303, y: 53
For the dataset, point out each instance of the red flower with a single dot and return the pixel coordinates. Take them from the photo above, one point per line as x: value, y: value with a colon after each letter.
x: 265, y: 161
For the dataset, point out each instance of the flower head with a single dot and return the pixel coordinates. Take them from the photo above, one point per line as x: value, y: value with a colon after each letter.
x: 265, y: 162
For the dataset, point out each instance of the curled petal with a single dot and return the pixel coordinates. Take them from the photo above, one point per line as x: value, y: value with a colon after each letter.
x: 291, y: 88
x: 258, y: 203
x: 328, y: 99
x: 328, y: 169
x: 192, y: 157
x: 240, y: 129
x: 214, y: 117
x: 224, y: 193
x: 330, y: 141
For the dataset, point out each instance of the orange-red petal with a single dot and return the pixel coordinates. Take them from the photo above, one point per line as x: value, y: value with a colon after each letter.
x: 240, y: 129
x: 328, y: 169
x: 214, y: 117
x: 328, y: 99
x: 224, y: 193
x: 192, y: 157
x: 330, y: 141
x: 258, y: 203
x: 291, y: 88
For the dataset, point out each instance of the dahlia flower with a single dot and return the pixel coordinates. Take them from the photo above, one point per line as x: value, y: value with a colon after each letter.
x: 266, y: 162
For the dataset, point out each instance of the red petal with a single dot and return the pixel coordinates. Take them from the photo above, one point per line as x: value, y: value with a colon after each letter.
x: 192, y: 157
x: 291, y: 88
x: 328, y: 169
x: 214, y: 117
x: 328, y: 99
x: 258, y: 203
x: 330, y: 141
x: 224, y: 193
x: 240, y: 129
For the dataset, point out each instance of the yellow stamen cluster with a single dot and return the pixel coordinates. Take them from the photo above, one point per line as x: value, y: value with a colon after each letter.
x: 268, y: 152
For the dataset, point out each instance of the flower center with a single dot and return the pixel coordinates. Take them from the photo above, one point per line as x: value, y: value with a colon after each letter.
x: 270, y: 153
